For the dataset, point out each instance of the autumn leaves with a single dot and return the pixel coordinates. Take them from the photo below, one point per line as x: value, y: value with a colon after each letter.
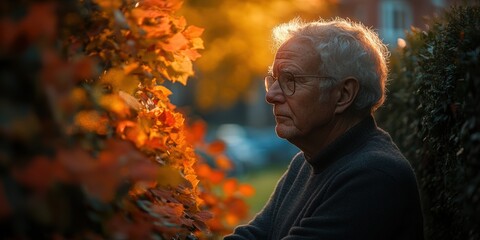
x: 100, y: 126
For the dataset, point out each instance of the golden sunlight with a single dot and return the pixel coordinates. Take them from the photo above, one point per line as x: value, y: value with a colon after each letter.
x: 237, y: 42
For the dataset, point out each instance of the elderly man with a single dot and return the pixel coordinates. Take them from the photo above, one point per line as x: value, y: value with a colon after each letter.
x: 349, y: 181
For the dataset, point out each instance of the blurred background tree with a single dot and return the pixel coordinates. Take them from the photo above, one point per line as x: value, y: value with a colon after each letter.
x: 239, y: 45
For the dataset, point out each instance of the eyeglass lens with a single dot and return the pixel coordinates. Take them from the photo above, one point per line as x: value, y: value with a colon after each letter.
x: 285, y: 80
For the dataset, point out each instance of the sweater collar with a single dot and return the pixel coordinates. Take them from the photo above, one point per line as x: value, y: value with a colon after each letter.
x: 343, y: 145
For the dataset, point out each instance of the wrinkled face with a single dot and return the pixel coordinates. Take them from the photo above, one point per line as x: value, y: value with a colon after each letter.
x: 308, y: 111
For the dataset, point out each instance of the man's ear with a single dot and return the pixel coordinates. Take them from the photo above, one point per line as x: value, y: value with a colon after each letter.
x: 348, y: 90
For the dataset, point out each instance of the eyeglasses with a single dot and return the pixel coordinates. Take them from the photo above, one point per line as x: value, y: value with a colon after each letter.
x: 286, y: 81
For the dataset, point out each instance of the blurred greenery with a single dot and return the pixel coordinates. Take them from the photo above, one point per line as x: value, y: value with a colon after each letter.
x: 264, y: 182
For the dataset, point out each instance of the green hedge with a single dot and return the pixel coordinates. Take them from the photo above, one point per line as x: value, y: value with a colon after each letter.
x: 433, y: 114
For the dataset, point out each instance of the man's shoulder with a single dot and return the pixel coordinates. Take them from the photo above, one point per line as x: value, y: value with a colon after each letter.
x: 380, y: 154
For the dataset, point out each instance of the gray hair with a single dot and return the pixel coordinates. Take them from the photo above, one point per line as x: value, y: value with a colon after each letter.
x: 346, y: 49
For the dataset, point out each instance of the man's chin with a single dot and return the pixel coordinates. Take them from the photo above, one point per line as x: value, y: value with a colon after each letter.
x: 283, y: 132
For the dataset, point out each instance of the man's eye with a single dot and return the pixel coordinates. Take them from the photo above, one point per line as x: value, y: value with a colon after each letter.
x: 288, y: 77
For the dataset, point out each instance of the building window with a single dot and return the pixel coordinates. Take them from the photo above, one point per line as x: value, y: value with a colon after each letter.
x: 395, y: 18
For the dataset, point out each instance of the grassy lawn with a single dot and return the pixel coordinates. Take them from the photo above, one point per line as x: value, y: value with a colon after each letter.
x: 264, y: 182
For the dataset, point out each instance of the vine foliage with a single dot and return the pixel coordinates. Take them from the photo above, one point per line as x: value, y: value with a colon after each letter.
x: 91, y: 146
x: 433, y: 113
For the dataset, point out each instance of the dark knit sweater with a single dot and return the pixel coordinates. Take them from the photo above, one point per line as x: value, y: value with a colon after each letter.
x: 359, y: 187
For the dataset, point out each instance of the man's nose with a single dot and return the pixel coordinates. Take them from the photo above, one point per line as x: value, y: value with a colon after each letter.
x: 275, y: 94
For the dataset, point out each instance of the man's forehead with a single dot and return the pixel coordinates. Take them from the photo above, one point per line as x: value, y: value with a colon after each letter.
x: 295, y: 47
x: 287, y: 54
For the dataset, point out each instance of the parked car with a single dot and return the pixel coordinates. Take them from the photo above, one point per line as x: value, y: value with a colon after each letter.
x: 254, y: 148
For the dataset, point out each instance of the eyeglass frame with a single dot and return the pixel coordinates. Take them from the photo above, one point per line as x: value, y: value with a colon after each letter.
x: 275, y: 79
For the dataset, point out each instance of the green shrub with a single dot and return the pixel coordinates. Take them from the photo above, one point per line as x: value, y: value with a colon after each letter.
x: 433, y: 114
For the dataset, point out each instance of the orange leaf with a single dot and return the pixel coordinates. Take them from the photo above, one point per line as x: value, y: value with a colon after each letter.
x: 91, y: 120
x: 175, y: 43
x: 209, y: 198
x: 196, y: 132
x: 237, y: 207
x: 156, y: 144
x: 231, y: 219
x: 193, y: 31
x: 192, y: 179
x: 124, y: 124
x: 216, y: 177
x: 246, y: 190
x: 230, y: 187
x: 216, y: 147
x: 167, y: 118
x: 223, y: 162
x: 192, y: 54
x: 109, y: 4
x: 171, y: 5
x: 136, y: 134
x: 203, y: 170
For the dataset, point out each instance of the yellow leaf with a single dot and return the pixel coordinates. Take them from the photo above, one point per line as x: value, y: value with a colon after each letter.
x: 114, y: 103
x: 183, y: 68
x: 197, y: 43
x: 91, y: 120
x: 127, y: 69
x: 163, y: 90
x: 117, y: 80
x: 109, y: 4
x: 169, y: 176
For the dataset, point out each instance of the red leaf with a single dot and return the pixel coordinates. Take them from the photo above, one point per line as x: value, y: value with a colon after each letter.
x: 5, y: 209
x: 37, y: 174
x: 216, y: 147
x: 167, y: 118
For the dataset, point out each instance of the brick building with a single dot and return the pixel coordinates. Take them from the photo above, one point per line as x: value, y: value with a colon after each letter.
x: 391, y: 17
